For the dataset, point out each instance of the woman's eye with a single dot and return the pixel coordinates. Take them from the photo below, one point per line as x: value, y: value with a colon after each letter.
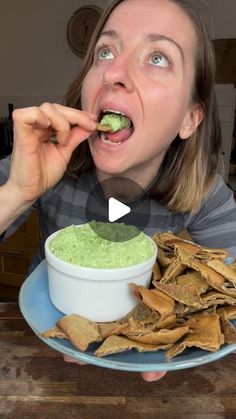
x: 104, y: 53
x: 159, y: 59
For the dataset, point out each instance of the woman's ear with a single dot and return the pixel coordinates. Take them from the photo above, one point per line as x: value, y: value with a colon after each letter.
x: 192, y: 119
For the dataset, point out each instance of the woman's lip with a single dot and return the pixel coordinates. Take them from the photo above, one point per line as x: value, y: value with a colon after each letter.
x: 114, y: 107
x: 110, y: 147
x: 117, y: 136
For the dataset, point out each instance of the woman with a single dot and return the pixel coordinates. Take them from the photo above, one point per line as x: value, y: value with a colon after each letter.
x: 152, y: 61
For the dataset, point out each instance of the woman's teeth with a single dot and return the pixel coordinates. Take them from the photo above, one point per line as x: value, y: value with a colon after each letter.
x: 105, y: 141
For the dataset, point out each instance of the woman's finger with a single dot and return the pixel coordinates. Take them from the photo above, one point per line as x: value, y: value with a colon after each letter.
x: 147, y: 376
x: 59, y: 124
x: 30, y: 118
x: 84, y: 119
x: 64, y: 118
x: 53, y: 120
x: 153, y: 375
x: 73, y: 360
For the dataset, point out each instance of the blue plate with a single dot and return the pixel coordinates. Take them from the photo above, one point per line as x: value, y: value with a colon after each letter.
x: 41, y: 314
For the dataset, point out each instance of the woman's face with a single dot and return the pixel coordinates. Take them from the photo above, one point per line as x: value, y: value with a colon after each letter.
x: 145, y: 55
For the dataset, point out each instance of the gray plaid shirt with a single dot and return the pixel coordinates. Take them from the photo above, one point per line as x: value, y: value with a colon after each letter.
x: 214, y: 225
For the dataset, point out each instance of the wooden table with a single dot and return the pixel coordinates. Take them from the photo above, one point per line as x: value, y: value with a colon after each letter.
x: 36, y: 383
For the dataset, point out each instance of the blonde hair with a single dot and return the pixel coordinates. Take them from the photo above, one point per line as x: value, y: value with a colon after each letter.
x: 189, y: 167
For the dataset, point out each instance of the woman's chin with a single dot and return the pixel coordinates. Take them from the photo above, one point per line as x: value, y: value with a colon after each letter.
x: 108, y: 161
x: 109, y: 170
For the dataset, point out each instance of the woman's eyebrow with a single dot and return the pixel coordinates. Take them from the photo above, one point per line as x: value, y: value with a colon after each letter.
x: 110, y: 33
x: 153, y: 37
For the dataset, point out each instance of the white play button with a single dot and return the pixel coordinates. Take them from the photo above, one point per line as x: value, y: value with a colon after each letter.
x: 110, y: 208
x: 117, y: 210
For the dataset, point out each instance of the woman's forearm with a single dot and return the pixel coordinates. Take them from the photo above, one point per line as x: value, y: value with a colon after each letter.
x: 12, y: 205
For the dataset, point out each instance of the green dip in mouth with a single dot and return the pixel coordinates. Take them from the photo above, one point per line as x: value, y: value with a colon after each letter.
x: 83, y: 247
x: 116, y: 122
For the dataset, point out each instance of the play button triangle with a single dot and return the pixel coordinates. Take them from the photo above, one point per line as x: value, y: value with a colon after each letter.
x: 117, y: 210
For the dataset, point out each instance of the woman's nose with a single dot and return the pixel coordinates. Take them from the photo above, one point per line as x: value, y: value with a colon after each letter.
x: 118, y: 76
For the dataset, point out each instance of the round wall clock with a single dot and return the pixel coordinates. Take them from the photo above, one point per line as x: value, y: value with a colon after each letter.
x: 80, y: 28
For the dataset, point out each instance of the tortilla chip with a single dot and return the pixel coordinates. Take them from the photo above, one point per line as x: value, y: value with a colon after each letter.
x: 139, y: 312
x: 173, y: 270
x: 166, y: 323
x: 157, y: 238
x: 80, y: 331
x: 217, y: 298
x: 194, y: 278
x: 185, y: 294
x: 155, y: 299
x: 156, y: 272
x: 225, y: 270
x: 151, y: 323
x: 184, y: 256
x: 228, y: 311
x: 228, y: 330
x: 165, y: 303
x: 199, y: 251
x: 151, y: 320
x: 183, y: 244
x: 137, y: 327
x: 189, y: 312
x: 205, y: 334
x: 208, y: 253
x: 172, y: 241
x: 166, y: 235
x: 116, y: 344
x: 154, y: 321
x: 160, y: 337
x: 227, y: 290
x: 108, y: 329
x: 233, y: 266
x: 213, y: 278
x: 168, y: 240
x: 183, y: 312
x: 103, y: 127
x: 54, y: 332
x: 164, y: 258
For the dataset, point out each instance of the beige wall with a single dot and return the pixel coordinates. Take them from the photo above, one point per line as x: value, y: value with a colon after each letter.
x: 36, y: 63
x: 222, y: 17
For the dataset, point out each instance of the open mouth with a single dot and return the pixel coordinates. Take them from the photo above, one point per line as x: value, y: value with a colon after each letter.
x: 121, y: 127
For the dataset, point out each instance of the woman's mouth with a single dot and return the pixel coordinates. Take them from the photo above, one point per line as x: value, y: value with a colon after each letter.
x: 116, y: 138
x: 121, y: 133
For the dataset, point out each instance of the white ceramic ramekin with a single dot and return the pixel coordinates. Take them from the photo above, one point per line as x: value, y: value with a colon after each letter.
x: 101, y: 295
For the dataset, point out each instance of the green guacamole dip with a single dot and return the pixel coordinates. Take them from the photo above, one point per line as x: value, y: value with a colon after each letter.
x: 116, y: 122
x: 82, y: 246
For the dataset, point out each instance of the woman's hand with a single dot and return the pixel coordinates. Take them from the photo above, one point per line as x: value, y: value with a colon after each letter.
x: 37, y: 162
x: 147, y: 376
